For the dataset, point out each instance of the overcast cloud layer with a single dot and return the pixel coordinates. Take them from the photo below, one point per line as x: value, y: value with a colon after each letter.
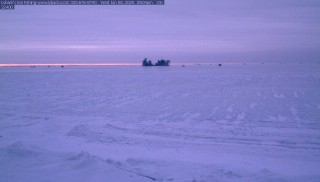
x: 182, y: 30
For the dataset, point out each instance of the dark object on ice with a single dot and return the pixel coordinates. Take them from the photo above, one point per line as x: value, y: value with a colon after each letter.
x: 160, y: 62
x: 183, y: 65
x: 62, y: 66
x: 219, y: 64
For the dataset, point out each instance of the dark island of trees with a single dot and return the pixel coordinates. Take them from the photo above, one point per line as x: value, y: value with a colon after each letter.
x: 160, y: 62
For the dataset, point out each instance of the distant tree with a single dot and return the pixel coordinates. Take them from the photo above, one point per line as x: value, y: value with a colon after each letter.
x: 145, y: 62
x: 163, y: 62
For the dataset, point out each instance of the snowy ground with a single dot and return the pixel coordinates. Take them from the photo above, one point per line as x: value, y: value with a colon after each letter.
x: 197, y: 123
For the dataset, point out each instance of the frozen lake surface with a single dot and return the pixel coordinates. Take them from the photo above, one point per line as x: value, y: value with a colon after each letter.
x: 197, y: 123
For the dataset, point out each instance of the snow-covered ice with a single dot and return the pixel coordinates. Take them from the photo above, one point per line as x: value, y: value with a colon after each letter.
x: 196, y: 123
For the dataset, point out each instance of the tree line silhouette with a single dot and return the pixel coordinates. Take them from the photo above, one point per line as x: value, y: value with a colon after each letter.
x: 160, y: 62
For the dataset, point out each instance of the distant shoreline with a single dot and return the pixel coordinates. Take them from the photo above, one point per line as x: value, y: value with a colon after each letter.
x: 138, y: 64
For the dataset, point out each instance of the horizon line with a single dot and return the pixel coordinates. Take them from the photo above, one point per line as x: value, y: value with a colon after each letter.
x: 134, y: 64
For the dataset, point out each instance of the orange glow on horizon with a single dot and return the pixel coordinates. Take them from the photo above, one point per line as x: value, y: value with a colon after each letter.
x: 74, y: 64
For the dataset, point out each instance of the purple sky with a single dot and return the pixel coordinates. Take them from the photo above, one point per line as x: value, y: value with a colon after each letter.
x: 182, y: 30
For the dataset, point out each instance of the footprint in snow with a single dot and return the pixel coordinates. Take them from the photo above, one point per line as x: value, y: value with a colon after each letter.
x: 230, y: 174
x: 277, y: 118
x: 241, y: 116
x: 185, y: 95
x: 253, y: 105
x: 275, y: 95
x: 293, y: 111
x: 230, y: 109
x: 228, y: 117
